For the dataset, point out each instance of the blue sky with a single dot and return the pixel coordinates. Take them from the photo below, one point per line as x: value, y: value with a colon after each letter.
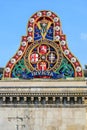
x: 14, y: 16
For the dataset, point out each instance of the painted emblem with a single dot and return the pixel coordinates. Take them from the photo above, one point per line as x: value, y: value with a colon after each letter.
x: 43, y: 49
x: 34, y: 58
x: 42, y: 66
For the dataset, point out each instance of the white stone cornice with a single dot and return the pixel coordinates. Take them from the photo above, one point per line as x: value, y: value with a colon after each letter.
x: 42, y: 83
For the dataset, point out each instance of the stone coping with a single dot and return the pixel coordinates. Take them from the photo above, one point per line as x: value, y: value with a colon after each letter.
x: 42, y: 83
x: 42, y: 80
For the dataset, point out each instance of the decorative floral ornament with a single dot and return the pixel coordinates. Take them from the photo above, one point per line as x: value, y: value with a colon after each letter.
x: 23, y: 43
x: 30, y: 29
x: 19, y: 53
x: 31, y: 20
x: 57, y: 38
x: 57, y: 28
x: 66, y: 52
x: 39, y: 14
x: 56, y: 19
x: 29, y: 39
x: 73, y: 59
x: 78, y: 68
x: 63, y: 42
x: 13, y: 60
x: 7, y: 69
x: 49, y: 14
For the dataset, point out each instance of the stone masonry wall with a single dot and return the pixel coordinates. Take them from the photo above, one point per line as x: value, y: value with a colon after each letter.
x: 13, y: 118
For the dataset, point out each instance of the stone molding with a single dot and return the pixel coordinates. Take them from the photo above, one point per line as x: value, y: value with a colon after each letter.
x: 50, y: 94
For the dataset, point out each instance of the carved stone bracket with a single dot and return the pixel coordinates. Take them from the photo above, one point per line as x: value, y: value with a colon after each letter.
x: 43, y: 96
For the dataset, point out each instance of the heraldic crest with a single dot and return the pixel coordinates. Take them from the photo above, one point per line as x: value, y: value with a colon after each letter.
x: 43, y: 52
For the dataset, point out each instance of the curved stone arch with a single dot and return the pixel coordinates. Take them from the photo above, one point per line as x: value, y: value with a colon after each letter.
x: 58, y: 36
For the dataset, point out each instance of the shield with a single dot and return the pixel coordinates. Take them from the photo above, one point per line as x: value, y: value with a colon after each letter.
x: 43, y: 49
x: 34, y: 57
x: 52, y: 57
x: 42, y: 66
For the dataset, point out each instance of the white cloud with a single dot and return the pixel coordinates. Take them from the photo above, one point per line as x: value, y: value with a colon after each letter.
x: 83, y: 36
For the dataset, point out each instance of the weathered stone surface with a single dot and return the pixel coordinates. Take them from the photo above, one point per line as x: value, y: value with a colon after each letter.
x: 51, y: 117
x: 42, y: 83
x: 43, y: 119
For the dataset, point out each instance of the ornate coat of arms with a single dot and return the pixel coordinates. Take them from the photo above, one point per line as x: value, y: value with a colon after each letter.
x: 43, y: 52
